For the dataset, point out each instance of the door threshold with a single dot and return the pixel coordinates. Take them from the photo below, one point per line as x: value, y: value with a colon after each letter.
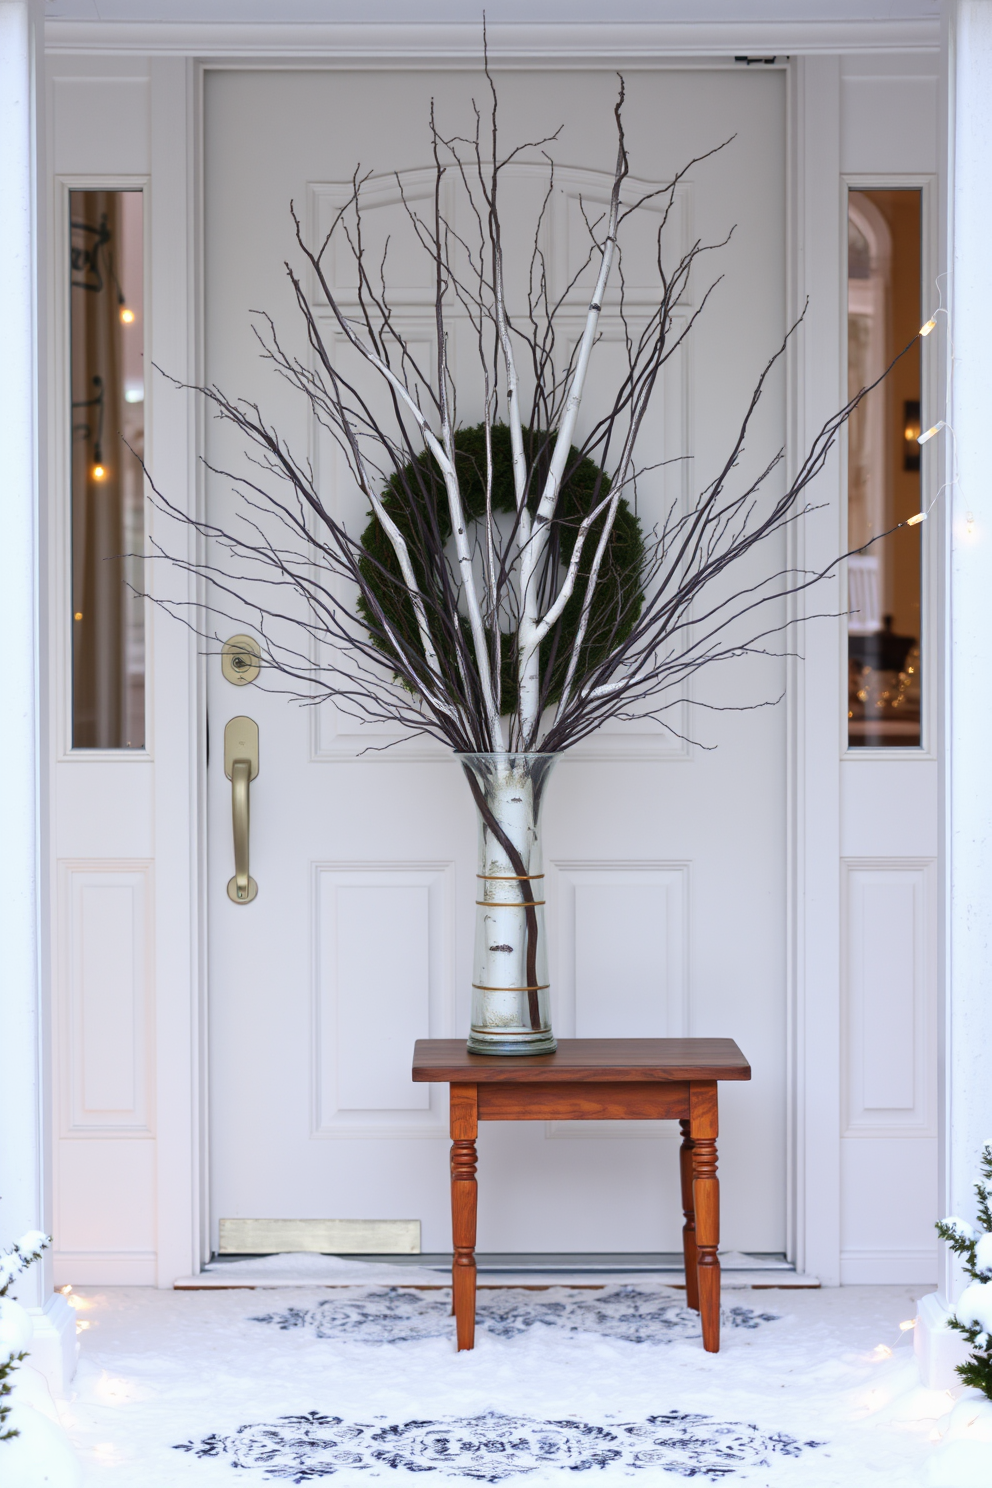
x: 753, y: 1271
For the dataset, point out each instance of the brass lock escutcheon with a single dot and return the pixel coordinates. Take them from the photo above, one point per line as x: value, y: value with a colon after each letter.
x: 241, y: 660
x: 241, y: 767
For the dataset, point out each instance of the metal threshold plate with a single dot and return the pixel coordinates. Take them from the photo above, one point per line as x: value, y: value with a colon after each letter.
x: 359, y: 1237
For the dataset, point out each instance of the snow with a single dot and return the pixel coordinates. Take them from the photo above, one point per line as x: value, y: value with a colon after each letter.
x: 10, y: 1266
x: 974, y: 1306
x: 825, y: 1394
x: 965, y: 1458
x: 32, y: 1242
x: 276, y: 1270
x: 961, y: 1227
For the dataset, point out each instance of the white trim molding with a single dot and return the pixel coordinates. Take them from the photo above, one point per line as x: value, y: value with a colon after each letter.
x: 534, y: 44
x: 815, y: 391
x: 24, y: 1071
x: 888, y: 1267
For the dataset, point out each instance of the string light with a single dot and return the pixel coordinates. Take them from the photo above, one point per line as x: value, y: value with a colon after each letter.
x: 99, y: 472
x: 931, y: 432
x: 915, y: 521
x: 127, y: 316
x: 930, y: 325
x: 77, y: 616
x: 905, y: 1327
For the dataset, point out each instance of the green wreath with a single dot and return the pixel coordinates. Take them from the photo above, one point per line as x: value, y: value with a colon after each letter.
x: 415, y: 499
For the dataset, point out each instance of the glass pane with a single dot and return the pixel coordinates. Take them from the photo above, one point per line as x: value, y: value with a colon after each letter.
x: 883, y: 482
x: 108, y: 631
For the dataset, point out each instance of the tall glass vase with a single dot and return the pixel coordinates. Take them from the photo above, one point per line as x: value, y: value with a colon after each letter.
x: 510, y: 1002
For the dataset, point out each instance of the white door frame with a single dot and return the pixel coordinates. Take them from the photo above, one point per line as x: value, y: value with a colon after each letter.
x: 177, y: 57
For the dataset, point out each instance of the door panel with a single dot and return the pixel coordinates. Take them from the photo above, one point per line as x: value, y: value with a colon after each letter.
x: 667, y: 858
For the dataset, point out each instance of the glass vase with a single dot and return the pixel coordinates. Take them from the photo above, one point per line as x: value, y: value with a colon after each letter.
x: 510, y: 988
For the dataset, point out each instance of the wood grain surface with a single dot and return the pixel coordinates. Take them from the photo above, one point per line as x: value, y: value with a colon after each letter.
x: 448, y: 1061
x: 587, y: 1100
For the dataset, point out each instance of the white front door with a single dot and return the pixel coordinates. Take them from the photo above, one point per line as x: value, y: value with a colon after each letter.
x: 666, y: 859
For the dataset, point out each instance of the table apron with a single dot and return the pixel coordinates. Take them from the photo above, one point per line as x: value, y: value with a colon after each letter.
x: 585, y: 1101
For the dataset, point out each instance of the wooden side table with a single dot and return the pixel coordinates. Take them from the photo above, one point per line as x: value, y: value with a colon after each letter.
x: 591, y: 1080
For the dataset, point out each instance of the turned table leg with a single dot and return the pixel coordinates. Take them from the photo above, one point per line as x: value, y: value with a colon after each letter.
x: 689, y: 1213
x: 703, y: 1129
x: 464, y: 1206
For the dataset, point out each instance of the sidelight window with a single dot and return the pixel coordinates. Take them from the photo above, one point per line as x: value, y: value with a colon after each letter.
x: 106, y: 275
x: 884, y: 575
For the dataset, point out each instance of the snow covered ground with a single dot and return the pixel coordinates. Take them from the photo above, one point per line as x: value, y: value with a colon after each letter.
x: 359, y: 1384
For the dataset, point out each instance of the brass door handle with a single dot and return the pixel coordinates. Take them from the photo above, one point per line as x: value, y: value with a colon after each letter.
x: 241, y: 767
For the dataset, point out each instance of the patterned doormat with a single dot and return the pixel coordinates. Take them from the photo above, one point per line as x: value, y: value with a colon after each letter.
x: 402, y: 1315
x: 494, y: 1447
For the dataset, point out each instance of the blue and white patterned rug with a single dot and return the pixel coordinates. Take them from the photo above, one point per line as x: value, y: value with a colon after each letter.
x: 493, y: 1447
x: 402, y: 1315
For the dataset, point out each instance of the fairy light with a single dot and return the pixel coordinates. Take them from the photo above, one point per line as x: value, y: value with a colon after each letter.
x: 930, y: 326
x: 915, y: 522
x: 907, y: 1326
x: 67, y: 1289
x: 881, y: 1351
x: 936, y: 428
x: 99, y: 472
x: 127, y: 316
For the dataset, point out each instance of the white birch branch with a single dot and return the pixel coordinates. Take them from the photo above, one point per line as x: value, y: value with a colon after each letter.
x: 533, y: 551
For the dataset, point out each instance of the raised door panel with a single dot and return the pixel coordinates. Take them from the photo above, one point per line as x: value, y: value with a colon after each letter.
x: 381, y: 978
x: 889, y: 1004
x: 104, y: 1005
x: 622, y: 968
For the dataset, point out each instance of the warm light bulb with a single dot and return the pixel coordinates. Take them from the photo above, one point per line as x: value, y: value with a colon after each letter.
x: 915, y: 522
x: 127, y: 316
x: 930, y: 432
x: 930, y: 325
x: 77, y: 616
x: 98, y: 472
x: 905, y: 1327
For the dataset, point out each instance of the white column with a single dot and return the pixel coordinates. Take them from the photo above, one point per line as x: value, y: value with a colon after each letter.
x: 21, y: 1167
x: 967, y: 797
x: 24, y: 1196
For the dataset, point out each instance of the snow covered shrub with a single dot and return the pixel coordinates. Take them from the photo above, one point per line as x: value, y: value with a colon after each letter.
x: 12, y: 1262
x: 972, y: 1313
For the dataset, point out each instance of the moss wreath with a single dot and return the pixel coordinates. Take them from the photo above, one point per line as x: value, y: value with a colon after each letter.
x: 619, y: 595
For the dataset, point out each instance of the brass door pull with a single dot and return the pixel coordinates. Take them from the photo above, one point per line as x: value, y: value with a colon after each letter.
x: 241, y: 767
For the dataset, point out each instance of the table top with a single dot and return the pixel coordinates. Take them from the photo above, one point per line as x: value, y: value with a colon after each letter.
x: 608, y: 1060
